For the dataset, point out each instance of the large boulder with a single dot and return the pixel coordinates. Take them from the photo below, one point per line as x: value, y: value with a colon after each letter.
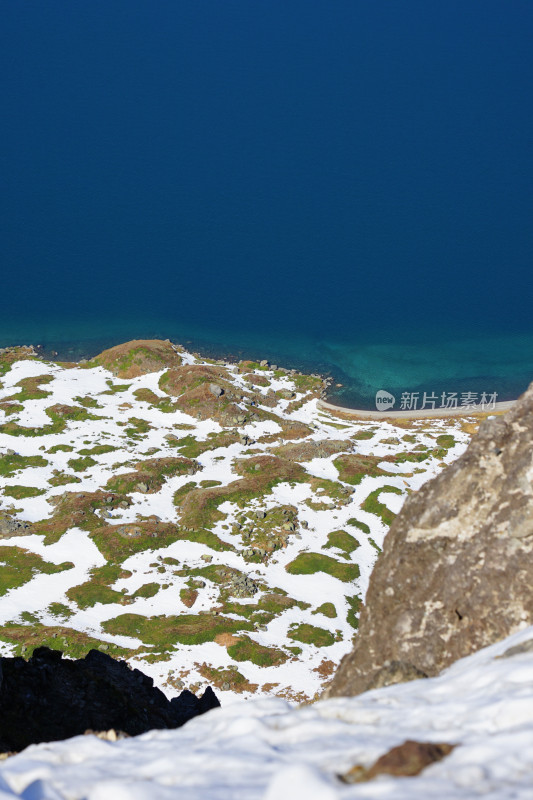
x: 49, y: 698
x: 456, y: 572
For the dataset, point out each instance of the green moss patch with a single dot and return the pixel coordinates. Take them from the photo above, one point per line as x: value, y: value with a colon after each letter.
x: 150, y: 475
x: 30, y: 389
x: 18, y: 566
x: 62, y: 479
x: 372, y: 505
x: 354, y: 607
x: 97, y: 589
x: 163, y: 631
x: 97, y: 450
x: 60, y: 415
x: 309, y: 563
x: 10, y: 464
x: 341, y: 541
x: 328, y: 609
x: 147, y: 590
x: 21, y: 492
x: 71, y: 642
x: 446, y: 440
x: 354, y: 467
x: 358, y: 524
x: 192, y: 448
x: 367, y: 433
x: 60, y: 448
x: 81, y: 464
x: 248, y: 650
x: 309, y: 634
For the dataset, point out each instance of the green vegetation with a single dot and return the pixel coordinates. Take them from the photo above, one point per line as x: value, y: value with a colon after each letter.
x: 116, y: 388
x: 21, y: 492
x: 71, y: 642
x: 88, y: 402
x: 147, y: 590
x: 306, y: 383
x: 60, y: 415
x: 328, y: 609
x: 163, y: 632
x: 341, y: 541
x: 151, y: 473
x: 97, y: 589
x: 60, y: 610
x: 308, y: 634
x: 164, y: 404
x: 60, y: 448
x: 137, y: 360
x: 357, y: 524
x: 97, y: 450
x: 364, y: 434
x: 183, y: 491
x: 352, y: 616
x: 10, y: 464
x: 81, y: 464
x: 199, y: 508
x: 18, y: 566
x: 354, y: 467
x: 192, y: 448
x: 446, y: 440
x: 248, y: 650
x: 372, y: 505
x: 29, y: 389
x: 309, y: 563
x: 138, y: 428
x: 62, y: 479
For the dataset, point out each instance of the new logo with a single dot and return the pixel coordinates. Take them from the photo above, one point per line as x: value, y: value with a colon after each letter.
x: 384, y: 400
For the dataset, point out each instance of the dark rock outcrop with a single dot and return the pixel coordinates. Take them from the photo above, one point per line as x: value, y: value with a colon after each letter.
x: 456, y: 572
x: 49, y: 698
x: 405, y: 760
x: 12, y: 527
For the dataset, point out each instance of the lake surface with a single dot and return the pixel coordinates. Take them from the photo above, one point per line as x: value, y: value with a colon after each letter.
x: 343, y: 187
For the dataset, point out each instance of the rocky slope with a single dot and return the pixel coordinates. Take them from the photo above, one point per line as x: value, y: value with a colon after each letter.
x: 456, y: 572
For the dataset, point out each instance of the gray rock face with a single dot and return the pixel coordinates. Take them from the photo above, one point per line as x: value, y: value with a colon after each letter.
x: 12, y: 527
x: 215, y: 389
x: 456, y: 572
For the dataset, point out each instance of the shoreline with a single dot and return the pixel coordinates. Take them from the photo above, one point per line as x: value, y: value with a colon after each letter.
x: 327, y: 379
x: 361, y: 413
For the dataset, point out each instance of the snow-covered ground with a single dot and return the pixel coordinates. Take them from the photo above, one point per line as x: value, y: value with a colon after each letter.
x: 322, y: 503
x: 264, y: 749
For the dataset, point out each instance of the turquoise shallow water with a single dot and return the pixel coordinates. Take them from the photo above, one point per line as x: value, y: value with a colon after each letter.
x: 501, y: 365
x: 343, y: 187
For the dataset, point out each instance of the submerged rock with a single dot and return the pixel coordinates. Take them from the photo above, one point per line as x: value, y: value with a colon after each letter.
x: 456, y: 572
x: 49, y: 698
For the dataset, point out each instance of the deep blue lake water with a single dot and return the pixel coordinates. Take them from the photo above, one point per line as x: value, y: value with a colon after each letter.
x: 344, y: 187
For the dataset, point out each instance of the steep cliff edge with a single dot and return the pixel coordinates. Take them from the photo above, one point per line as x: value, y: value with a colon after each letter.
x: 456, y: 572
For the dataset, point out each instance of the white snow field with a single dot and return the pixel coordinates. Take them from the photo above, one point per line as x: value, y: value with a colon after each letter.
x: 140, y: 581
x: 266, y: 749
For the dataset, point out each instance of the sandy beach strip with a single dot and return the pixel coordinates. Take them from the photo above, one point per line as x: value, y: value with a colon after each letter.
x: 356, y: 413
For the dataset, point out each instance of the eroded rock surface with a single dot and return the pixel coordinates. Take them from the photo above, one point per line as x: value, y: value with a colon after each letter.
x: 49, y: 698
x: 456, y: 572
